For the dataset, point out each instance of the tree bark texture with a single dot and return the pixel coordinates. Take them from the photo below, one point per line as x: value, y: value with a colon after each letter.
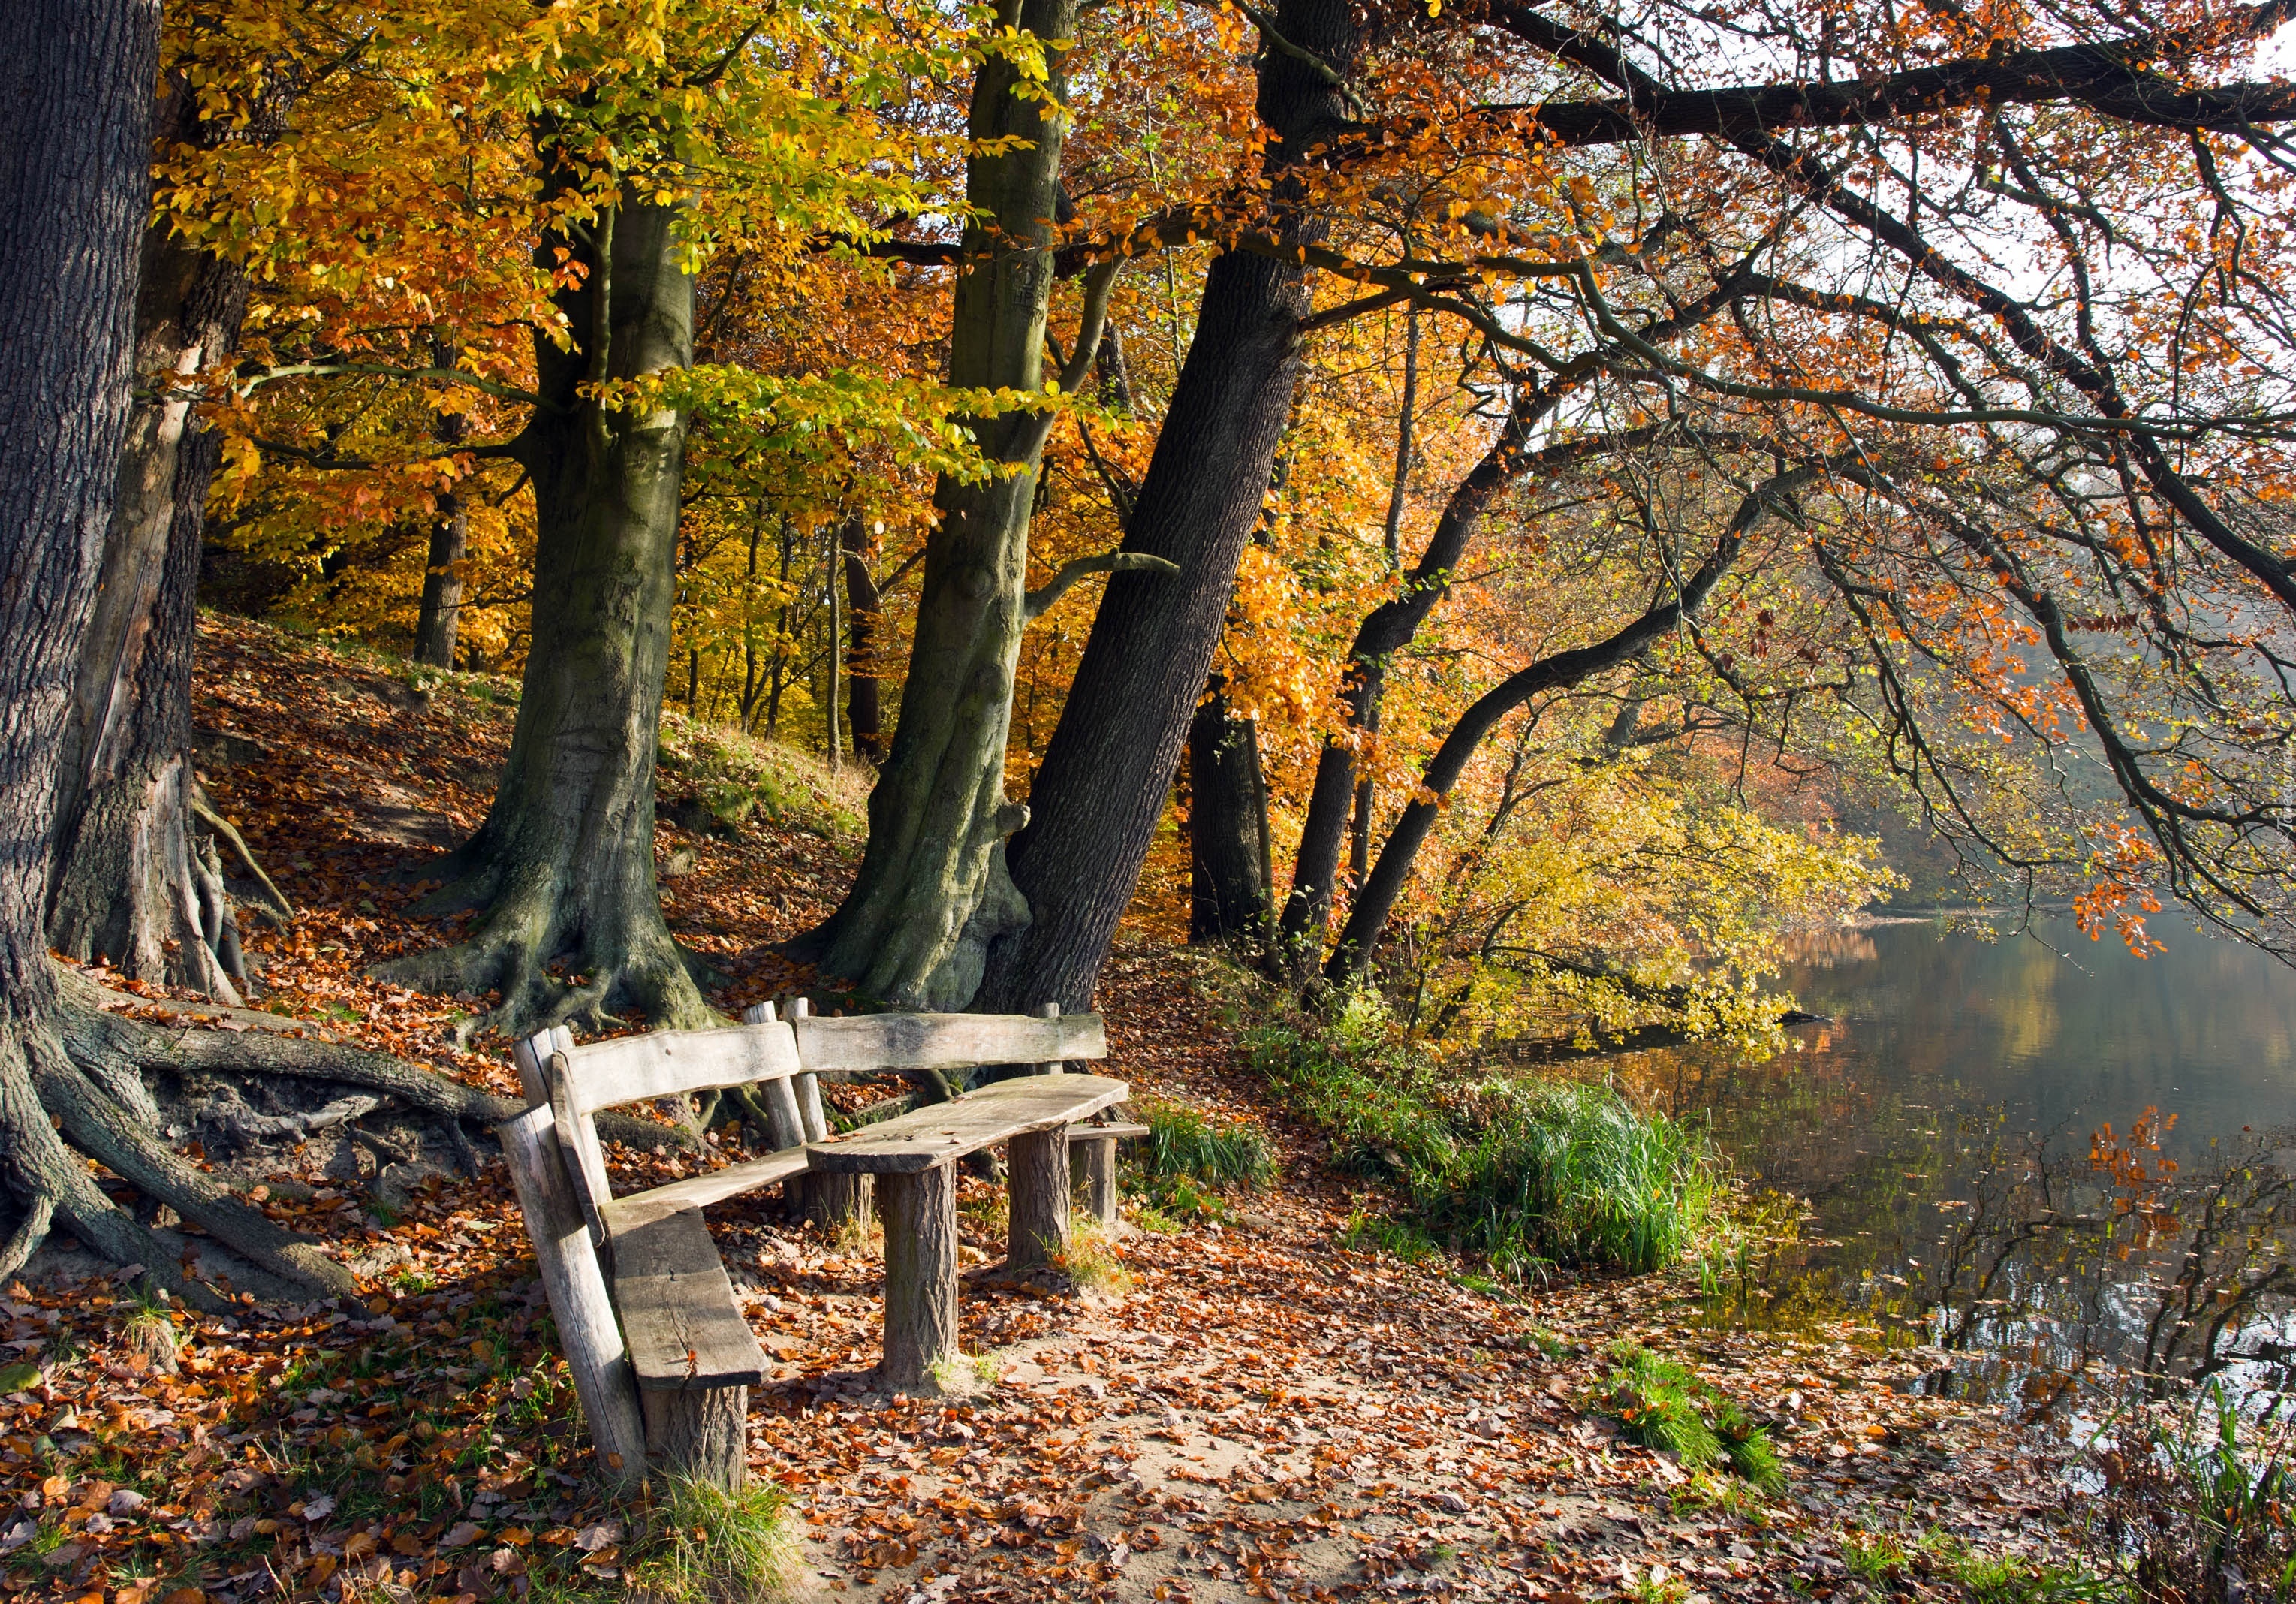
x: 133, y: 879
x: 920, y: 1277
x: 1228, y: 896
x: 76, y: 79
x: 563, y: 867
x: 1106, y: 772
x: 914, y: 929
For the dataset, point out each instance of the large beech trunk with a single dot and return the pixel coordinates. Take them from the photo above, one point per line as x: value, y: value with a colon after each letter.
x: 1102, y: 789
x: 75, y: 185
x: 561, y: 870
x: 930, y: 894
x: 135, y: 879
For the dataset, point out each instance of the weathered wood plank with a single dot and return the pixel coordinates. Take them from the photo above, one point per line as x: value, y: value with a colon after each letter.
x: 696, y: 1191
x: 1122, y: 1132
x: 891, y: 1041
x: 595, y: 1354
x: 685, y: 1327
x: 577, y: 1140
x: 661, y: 1064
x: 944, y: 1131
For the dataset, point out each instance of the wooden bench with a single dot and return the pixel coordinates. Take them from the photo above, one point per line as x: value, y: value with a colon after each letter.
x: 661, y: 1353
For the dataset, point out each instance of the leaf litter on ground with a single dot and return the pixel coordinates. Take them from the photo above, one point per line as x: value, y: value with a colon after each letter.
x: 1265, y: 1412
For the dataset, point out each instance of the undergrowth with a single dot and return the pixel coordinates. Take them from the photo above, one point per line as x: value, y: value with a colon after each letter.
x: 2198, y: 1503
x: 1662, y: 1404
x: 1524, y: 1173
x: 704, y: 1546
x: 1189, y: 1161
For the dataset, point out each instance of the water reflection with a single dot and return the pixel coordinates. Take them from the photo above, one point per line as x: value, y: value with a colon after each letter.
x: 2046, y: 1165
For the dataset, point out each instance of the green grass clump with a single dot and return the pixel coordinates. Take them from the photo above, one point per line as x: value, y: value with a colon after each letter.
x: 704, y: 1546
x: 1189, y: 1161
x: 1526, y: 1173
x: 1662, y: 1404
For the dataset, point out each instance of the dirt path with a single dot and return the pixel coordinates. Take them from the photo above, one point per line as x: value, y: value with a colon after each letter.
x: 1267, y: 1415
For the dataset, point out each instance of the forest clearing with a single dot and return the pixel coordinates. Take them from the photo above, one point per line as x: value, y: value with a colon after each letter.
x: 1147, y: 799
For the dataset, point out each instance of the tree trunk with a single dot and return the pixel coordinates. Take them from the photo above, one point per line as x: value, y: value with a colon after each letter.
x: 563, y: 867
x: 441, y: 610
x: 134, y: 881
x: 924, y: 906
x: 864, y: 608
x: 1102, y: 787
x: 1228, y: 898
x: 74, y: 193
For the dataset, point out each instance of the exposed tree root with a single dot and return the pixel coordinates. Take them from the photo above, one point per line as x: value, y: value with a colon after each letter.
x: 616, y: 947
x: 72, y: 1089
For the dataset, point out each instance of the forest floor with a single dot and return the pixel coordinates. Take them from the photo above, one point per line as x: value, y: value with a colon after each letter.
x: 1265, y: 1412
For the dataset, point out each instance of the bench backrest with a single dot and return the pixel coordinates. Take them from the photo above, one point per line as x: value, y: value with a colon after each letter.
x: 779, y: 1057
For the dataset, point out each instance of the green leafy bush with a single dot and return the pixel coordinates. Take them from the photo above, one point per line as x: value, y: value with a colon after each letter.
x: 1190, y: 1160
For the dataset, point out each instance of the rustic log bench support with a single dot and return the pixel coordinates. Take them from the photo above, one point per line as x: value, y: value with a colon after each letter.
x: 1092, y: 1166
x: 912, y: 1154
x: 919, y: 1210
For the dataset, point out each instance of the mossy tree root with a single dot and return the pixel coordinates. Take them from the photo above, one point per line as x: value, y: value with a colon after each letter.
x: 601, y: 930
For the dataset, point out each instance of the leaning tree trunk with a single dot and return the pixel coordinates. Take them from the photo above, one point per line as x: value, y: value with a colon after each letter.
x: 1340, y: 785
x: 136, y: 878
x: 931, y: 893
x: 563, y: 867
x: 1111, y: 760
x: 1228, y: 899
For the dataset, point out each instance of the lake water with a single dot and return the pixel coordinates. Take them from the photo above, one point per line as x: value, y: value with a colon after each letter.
x: 2051, y: 1158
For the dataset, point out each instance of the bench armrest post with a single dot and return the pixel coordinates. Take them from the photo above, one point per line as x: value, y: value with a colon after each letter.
x: 587, y: 1333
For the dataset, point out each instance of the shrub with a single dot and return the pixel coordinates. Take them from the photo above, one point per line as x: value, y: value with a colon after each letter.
x: 1190, y: 1159
x: 1662, y: 1404
x: 1525, y: 1172
x: 2198, y: 1503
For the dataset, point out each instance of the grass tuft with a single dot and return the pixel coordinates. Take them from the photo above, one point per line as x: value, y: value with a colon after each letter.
x: 1189, y: 1161
x: 703, y: 1545
x: 1092, y: 1263
x: 1662, y: 1404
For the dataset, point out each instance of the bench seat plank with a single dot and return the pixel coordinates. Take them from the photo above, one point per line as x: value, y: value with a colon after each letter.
x: 683, y: 1325
x: 697, y: 1191
x: 943, y: 1132
x: 1084, y: 1133
x: 891, y: 1042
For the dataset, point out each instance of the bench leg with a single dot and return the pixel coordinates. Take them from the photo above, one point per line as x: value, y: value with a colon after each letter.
x: 702, y: 1434
x: 1038, y: 1232
x: 1095, y: 1169
x: 919, y: 1276
x: 832, y: 1201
